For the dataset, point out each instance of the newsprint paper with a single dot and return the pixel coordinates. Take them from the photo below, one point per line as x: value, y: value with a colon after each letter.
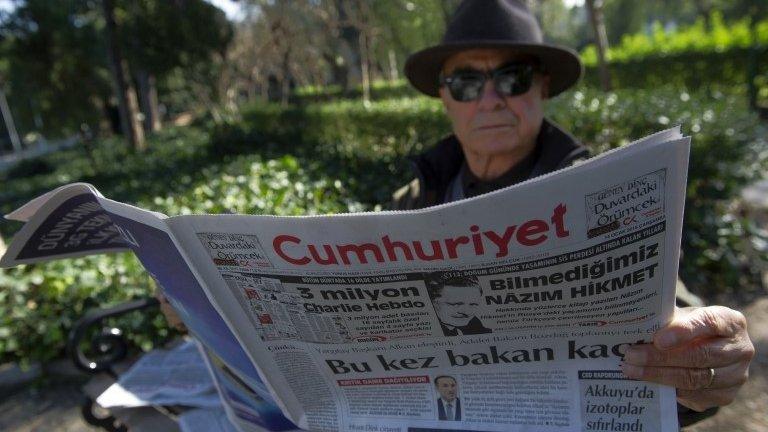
x: 505, y: 312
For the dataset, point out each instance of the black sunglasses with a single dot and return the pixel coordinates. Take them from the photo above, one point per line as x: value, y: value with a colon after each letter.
x: 508, y: 80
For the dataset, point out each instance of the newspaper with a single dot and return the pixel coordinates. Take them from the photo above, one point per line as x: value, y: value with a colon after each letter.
x: 505, y: 312
x: 176, y: 376
x: 205, y: 420
x: 241, y: 405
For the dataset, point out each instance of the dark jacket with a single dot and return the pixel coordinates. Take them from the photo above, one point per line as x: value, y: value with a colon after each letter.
x: 441, y: 414
x: 436, y: 168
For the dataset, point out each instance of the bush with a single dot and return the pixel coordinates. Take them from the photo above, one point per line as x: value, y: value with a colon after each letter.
x: 366, y: 145
x: 40, y: 303
x: 115, y: 169
x: 729, y: 150
x: 726, y: 71
x: 721, y: 56
x: 718, y: 37
x: 344, y: 156
x: 28, y: 168
x: 380, y: 90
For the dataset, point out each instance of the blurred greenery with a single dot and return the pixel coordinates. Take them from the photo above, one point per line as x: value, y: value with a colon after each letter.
x: 716, y: 36
x: 283, y: 122
x: 345, y: 156
x: 711, y: 53
x: 57, y: 74
x: 39, y: 304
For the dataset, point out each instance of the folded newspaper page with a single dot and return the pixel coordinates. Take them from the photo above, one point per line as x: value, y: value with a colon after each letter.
x: 176, y: 376
x: 243, y: 408
x: 509, y: 311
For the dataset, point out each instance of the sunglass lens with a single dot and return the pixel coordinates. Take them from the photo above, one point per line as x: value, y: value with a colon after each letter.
x: 466, y: 87
x: 513, y: 81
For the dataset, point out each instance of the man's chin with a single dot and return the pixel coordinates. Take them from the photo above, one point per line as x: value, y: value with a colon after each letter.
x: 499, y: 145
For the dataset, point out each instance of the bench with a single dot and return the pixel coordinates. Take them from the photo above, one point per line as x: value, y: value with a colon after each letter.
x: 106, y: 359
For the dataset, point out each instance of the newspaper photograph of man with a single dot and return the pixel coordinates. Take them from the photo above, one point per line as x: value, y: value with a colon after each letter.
x: 448, y: 404
x: 456, y: 300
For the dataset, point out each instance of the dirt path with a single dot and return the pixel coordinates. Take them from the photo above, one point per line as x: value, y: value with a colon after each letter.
x: 53, y: 408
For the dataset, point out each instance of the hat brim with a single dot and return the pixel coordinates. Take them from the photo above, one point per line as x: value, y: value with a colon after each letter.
x: 561, y: 64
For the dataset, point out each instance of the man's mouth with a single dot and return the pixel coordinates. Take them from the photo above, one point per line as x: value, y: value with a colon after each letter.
x: 493, y: 127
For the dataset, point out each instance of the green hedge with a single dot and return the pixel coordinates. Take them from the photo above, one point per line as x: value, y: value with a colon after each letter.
x: 691, y: 70
x: 112, y: 166
x: 343, y: 156
x: 366, y: 145
x: 363, y: 146
x: 380, y: 90
x: 721, y: 55
x: 40, y: 303
x: 727, y: 71
x: 717, y: 37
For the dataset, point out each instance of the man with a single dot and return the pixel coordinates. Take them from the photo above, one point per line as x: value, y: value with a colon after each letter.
x: 493, y: 73
x: 456, y: 300
x: 448, y: 405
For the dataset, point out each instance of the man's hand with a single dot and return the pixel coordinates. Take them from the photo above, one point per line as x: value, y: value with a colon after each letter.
x: 684, y: 354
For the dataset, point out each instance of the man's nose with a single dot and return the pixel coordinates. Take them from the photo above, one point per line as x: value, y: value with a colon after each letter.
x: 490, y: 99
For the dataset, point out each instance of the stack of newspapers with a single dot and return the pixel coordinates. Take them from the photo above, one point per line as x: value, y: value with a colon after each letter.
x: 505, y: 312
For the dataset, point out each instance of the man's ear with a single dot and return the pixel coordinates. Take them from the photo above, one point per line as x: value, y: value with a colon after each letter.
x: 444, y: 96
x: 544, y: 86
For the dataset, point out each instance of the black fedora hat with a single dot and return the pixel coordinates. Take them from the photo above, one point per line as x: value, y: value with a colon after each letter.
x: 493, y: 24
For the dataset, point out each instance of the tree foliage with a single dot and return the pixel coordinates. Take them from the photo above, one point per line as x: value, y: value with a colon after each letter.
x: 56, y: 60
x: 344, y: 156
x: 56, y: 65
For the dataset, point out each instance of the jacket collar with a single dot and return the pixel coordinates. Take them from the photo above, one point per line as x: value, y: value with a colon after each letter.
x: 437, y: 167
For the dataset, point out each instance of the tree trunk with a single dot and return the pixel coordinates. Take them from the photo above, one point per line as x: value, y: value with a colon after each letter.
x: 285, y: 88
x: 752, y: 69
x: 365, y: 72
x: 393, y: 73
x: 601, y: 41
x: 253, y: 83
x: 350, y: 47
x: 148, y: 100
x: 285, y: 78
x: 126, y: 96
x: 339, y: 74
x: 10, y: 126
x: 704, y: 9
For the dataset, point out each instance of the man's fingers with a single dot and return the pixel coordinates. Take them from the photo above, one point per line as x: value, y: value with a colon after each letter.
x: 684, y: 355
x: 700, y: 400
x: 694, y: 323
x: 702, y: 353
x: 694, y: 379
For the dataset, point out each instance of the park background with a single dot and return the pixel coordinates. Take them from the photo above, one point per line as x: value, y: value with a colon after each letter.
x: 300, y: 107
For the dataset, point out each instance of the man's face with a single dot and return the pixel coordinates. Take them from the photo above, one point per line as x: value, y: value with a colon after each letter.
x: 495, y: 125
x: 457, y: 305
x: 447, y: 388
